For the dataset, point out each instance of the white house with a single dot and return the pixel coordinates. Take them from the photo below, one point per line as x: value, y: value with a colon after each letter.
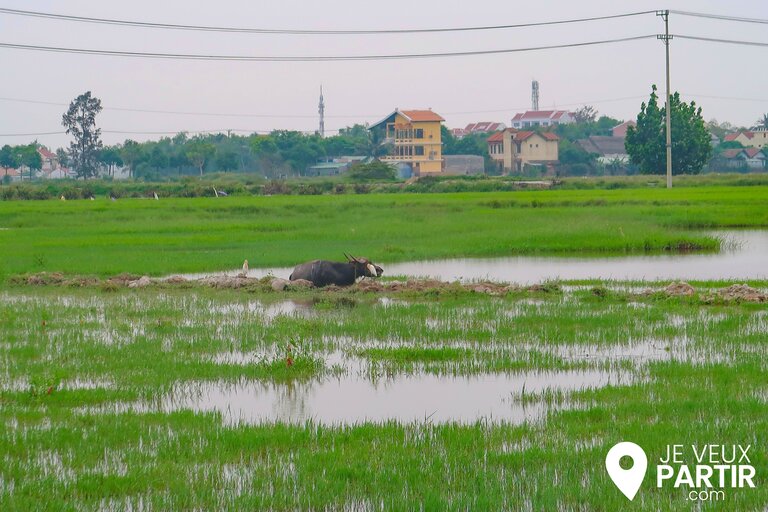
x: 532, y: 118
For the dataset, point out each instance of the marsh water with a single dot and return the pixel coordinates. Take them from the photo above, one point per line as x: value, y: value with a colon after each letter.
x: 744, y: 255
x: 354, y: 399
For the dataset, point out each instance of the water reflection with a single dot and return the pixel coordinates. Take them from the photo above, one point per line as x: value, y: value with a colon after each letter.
x: 355, y: 399
x: 745, y: 257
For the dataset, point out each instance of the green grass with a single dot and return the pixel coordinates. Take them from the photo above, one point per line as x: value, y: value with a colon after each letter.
x: 708, y: 384
x: 204, y: 234
x: 87, y: 375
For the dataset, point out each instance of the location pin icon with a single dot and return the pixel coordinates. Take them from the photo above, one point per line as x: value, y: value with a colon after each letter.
x: 627, y: 480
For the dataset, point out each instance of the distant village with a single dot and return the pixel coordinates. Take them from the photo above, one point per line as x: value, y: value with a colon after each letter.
x: 415, y: 142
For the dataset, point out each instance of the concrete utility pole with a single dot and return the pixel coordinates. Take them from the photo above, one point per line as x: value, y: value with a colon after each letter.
x: 666, y: 38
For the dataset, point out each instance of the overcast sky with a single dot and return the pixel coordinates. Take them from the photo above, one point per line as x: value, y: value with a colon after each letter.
x: 728, y: 81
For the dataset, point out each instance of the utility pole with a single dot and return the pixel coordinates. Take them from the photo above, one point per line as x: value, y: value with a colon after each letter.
x: 666, y: 38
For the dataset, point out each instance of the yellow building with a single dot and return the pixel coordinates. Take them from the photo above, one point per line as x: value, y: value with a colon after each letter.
x: 415, y: 140
x: 512, y: 150
x: 749, y: 139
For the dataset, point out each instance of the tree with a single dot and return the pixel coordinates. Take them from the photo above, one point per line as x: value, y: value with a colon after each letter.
x: 227, y: 160
x: 110, y: 157
x: 29, y: 156
x: 198, y: 152
x: 158, y: 159
x: 762, y: 122
x: 8, y: 158
x: 375, y: 144
x: 586, y: 114
x: 132, y: 153
x: 646, y: 143
x: 63, y: 157
x: 376, y: 170
x: 80, y: 122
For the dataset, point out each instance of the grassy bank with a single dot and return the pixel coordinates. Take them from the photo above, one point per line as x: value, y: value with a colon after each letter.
x: 249, y: 184
x: 92, y: 416
x: 201, y: 234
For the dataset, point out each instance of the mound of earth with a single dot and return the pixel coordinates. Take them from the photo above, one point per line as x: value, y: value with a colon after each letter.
x: 680, y: 289
x: 742, y: 292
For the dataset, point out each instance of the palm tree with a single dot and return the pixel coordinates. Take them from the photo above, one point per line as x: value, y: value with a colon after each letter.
x: 762, y: 122
x: 375, y: 145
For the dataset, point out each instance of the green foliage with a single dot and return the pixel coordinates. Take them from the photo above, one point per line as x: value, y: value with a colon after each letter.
x: 132, y: 153
x: 372, y: 171
x: 470, y: 144
x: 227, y: 160
x: 18, y: 156
x: 199, y: 151
x: 9, y: 157
x: 80, y: 122
x: 646, y: 143
x: 731, y: 144
x: 576, y: 131
x: 29, y: 157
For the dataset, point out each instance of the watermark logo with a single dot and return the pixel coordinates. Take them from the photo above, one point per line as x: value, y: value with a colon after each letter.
x: 627, y: 480
x: 703, y: 472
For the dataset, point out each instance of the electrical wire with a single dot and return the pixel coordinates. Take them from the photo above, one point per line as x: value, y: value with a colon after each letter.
x: 720, y: 17
x: 715, y: 40
x: 308, y: 116
x: 204, y: 28
x: 310, y: 58
x: 30, y: 134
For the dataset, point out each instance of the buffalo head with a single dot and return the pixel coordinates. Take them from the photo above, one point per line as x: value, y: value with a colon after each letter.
x: 363, y: 267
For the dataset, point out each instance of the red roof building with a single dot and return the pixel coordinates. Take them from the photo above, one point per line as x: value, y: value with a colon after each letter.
x: 620, y: 130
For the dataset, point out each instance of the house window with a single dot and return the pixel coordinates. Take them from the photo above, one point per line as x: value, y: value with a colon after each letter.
x: 419, y: 132
x: 419, y: 150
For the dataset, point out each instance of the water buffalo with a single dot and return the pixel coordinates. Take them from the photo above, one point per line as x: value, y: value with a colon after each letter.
x: 323, y: 272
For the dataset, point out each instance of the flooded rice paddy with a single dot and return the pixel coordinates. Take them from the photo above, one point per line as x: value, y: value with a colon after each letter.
x: 743, y: 255
x: 200, y: 399
x: 374, y: 359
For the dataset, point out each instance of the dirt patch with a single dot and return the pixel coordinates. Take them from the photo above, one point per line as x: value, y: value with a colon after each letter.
x: 55, y: 279
x: 141, y: 282
x: 680, y: 289
x: 229, y: 282
x: 742, y: 292
x: 44, y: 279
x: 122, y: 279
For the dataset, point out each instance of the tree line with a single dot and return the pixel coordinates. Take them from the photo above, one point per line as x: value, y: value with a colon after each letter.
x: 284, y: 153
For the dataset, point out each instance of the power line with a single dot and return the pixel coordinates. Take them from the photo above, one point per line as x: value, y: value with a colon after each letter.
x: 187, y: 113
x: 720, y: 17
x: 175, y: 132
x: 303, y: 116
x: 524, y: 108
x: 30, y: 134
x: 205, y: 28
x: 726, y: 41
x: 689, y: 95
x: 309, y: 58
x: 240, y: 130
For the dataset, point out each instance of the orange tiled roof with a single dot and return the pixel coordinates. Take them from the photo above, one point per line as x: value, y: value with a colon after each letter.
x: 421, y: 115
x: 733, y: 136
